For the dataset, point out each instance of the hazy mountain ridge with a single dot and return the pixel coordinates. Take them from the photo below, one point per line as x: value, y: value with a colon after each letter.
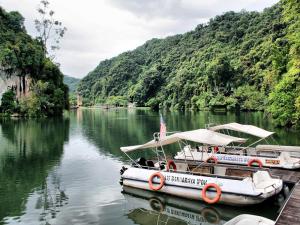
x: 71, y: 82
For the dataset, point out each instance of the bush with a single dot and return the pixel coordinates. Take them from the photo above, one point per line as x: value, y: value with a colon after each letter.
x: 8, y: 102
x: 249, y: 98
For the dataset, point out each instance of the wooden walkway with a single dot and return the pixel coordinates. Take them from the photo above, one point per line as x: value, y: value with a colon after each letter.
x: 290, y: 213
x: 288, y: 176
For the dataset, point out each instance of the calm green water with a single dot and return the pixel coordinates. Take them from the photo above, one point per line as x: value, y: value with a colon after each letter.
x: 66, y: 171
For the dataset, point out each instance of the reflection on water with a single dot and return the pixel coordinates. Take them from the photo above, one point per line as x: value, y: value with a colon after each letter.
x: 29, y: 150
x: 157, y: 207
x: 66, y: 170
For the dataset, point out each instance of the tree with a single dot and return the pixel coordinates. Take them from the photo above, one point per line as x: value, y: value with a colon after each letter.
x: 8, y: 102
x: 50, y: 30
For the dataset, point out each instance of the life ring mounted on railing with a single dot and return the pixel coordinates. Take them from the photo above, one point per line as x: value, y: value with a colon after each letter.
x: 161, y: 184
x: 251, y: 161
x: 212, y: 159
x: 171, y: 165
x: 216, y: 198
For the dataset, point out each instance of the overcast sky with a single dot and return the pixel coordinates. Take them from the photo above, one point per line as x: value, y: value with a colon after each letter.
x: 101, y: 29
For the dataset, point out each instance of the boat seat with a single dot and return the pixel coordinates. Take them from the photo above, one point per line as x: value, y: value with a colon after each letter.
x: 203, y: 170
x: 221, y: 150
x: 141, y: 161
x: 238, y: 172
x: 220, y: 171
x: 150, y: 163
x: 181, y: 166
x: 285, y: 156
x: 262, y: 179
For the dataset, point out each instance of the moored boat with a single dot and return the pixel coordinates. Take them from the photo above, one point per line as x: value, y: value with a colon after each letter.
x: 198, y: 181
x: 247, y: 219
x: 287, y: 157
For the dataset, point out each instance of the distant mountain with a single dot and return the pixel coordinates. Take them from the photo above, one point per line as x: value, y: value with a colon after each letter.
x: 72, y: 83
x: 240, y: 61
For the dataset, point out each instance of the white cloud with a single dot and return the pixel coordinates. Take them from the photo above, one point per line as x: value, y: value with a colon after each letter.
x: 100, y: 29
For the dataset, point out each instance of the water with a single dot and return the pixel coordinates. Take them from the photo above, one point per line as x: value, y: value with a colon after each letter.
x: 66, y: 171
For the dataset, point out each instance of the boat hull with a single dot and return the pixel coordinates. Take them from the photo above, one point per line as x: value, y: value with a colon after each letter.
x: 238, y: 159
x: 234, y: 192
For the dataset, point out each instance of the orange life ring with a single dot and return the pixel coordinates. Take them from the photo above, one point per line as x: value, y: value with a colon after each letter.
x: 171, y: 165
x: 216, y: 198
x: 212, y: 158
x: 161, y: 184
x: 250, y: 162
x: 216, y: 149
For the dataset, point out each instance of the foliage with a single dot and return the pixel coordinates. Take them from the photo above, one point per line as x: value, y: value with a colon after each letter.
x: 117, y: 101
x: 72, y: 99
x: 284, y: 99
x: 237, y: 60
x: 23, y: 56
x: 248, y: 98
x: 8, y: 102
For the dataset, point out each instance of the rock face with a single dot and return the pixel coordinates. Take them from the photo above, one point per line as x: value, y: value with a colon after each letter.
x: 19, y: 84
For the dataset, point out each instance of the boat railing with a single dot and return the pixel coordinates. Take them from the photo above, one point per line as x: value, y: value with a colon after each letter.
x: 194, y: 173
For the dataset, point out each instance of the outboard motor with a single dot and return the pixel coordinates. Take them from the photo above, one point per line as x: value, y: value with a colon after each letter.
x: 123, y: 169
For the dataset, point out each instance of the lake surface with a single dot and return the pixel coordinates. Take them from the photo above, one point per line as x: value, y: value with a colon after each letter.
x: 66, y: 170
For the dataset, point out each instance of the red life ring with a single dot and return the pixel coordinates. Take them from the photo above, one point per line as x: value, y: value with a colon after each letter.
x: 161, y: 184
x: 250, y: 162
x: 216, y: 198
x: 212, y: 158
x: 171, y: 165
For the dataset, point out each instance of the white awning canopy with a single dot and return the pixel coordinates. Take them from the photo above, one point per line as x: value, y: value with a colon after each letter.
x: 279, y: 148
x: 203, y: 136
x: 248, y: 129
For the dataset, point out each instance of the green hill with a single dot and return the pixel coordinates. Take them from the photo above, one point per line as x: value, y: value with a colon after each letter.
x: 241, y: 61
x: 72, y: 83
x: 38, y: 88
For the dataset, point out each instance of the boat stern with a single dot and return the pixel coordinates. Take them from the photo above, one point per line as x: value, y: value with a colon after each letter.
x: 264, y: 183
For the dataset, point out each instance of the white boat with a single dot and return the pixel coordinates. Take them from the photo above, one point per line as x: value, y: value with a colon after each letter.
x: 247, y: 219
x: 276, y: 156
x: 208, y: 182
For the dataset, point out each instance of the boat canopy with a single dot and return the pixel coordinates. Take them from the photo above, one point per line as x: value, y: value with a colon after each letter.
x: 248, y: 129
x: 203, y: 136
x: 279, y: 148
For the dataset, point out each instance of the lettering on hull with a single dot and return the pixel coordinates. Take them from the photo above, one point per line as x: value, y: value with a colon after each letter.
x: 232, y: 158
x: 186, y: 180
x: 273, y: 161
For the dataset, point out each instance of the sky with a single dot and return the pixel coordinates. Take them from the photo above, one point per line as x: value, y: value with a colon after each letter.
x: 101, y: 29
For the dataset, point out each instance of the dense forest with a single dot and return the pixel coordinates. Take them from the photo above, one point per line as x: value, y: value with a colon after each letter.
x: 239, y: 61
x: 23, y: 57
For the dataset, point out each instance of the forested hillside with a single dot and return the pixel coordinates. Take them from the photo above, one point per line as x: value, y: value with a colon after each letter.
x: 71, y: 82
x: 241, y: 61
x: 39, y: 81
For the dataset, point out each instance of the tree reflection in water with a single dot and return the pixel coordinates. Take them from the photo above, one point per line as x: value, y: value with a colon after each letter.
x: 29, y: 150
